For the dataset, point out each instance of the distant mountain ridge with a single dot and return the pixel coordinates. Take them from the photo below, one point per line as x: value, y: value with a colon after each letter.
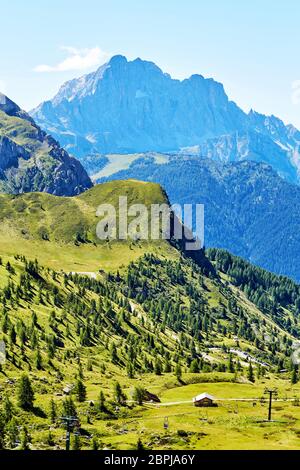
x: 31, y: 160
x: 249, y: 209
x: 132, y: 106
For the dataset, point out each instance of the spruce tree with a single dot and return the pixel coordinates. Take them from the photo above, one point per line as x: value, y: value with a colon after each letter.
x: 101, y: 404
x: 158, y: 367
x: 53, y: 411
x: 68, y: 408
x: 178, y: 372
x: 119, y: 396
x: 25, y: 393
x: 194, y: 367
x: 25, y: 439
x: 95, y: 444
x: 139, y: 395
x: 294, y: 378
x: 140, y: 445
x: 80, y: 391
x: 251, y: 376
x: 8, y: 409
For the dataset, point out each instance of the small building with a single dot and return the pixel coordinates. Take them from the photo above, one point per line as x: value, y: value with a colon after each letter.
x: 68, y: 389
x: 150, y: 397
x: 204, y: 400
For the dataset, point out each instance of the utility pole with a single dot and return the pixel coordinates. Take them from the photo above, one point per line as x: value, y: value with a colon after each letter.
x: 166, y: 423
x: 70, y: 422
x: 272, y: 392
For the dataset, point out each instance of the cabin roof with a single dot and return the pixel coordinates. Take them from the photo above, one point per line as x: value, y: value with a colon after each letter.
x: 202, y: 396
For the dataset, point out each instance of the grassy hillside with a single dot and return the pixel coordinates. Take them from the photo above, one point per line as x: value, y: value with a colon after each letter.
x: 151, y: 321
x: 61, y: 232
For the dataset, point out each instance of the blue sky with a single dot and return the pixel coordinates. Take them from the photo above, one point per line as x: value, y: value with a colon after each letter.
x: 251, y: 46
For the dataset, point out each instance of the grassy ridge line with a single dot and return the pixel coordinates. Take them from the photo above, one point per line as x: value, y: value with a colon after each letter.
x: 45, y: 227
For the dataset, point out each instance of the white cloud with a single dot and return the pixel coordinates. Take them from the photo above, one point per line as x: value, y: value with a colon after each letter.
x: 78, y: 59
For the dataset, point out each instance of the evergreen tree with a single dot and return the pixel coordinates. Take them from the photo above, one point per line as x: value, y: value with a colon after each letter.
x: 95, y: 444
x: 158, y: 367
x: 2, y: 431
x: 140, y: 445
x: 53, y: 411
x: 8, y: 409
x: 114, y: 354
x: 130, y: 370
x: 230, y: 366
x: 11, y: 434
x: 69, y: 408
x: 80, y: 391
x: 294, y: 378
x: 178, y: 372
x: 250, y: 375
x: 119, y: 396
x: 194, y: 367
x: 139, y: 395
x: 25, y: 439
x: 25, y: 393
x: 38, y: 360
x: 101, y: 403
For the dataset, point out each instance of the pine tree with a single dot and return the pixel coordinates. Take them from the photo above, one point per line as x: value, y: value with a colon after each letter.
x: 12, y: 434
x: 80, y: 391
x: 89, y: 366
x: 158, y: 367
x: 114, y: 354
x: 251, y: 376
x: 38, y: 360
x: 130, y: 370
x: 8, y: 409
x: 101, y: 404
x: 25, y: 439
x: 119, y: 396
x: 294, y: 378
x: 95, y: 444
x: 178, y: 372
x: 2, y: 431
x: 53, y: 411
x: 139, y: 395
x: 50, y: 440
x: 69, y: 408
x: 194, y: 367
x: 25, y: 393
x: 140, y: 445
x: 230, y: 366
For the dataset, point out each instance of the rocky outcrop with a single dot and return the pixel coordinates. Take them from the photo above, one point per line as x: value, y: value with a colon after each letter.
x: 129, y: 107
x: 31, y: 160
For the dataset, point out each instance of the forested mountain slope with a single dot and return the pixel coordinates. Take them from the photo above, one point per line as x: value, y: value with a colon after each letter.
x: 142, y: 318
x: 249, y: 209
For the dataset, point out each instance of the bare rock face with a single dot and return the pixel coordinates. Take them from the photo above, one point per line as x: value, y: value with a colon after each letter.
x: 31, y: 160
x: 129, y: 107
